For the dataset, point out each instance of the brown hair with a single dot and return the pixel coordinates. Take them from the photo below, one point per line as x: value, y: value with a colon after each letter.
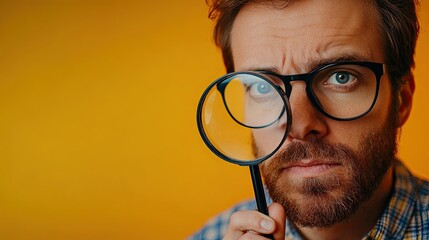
x: 399, y: 27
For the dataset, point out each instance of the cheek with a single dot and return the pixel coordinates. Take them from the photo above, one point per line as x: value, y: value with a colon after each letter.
x: 348, y: 134
x: 267, y: 139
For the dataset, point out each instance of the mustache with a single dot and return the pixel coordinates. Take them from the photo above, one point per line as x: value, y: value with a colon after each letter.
x: 314, y: 149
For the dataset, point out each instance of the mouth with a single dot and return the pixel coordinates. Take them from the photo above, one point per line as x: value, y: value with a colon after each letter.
x: 310, y: 167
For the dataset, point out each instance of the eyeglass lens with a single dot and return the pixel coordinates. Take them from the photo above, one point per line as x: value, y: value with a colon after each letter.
x: 344, y: 91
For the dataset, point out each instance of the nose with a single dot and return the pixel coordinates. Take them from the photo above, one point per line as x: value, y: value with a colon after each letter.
x: 307, y: 122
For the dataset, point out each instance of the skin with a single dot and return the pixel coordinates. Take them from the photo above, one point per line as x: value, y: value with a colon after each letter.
x: 295, y: 40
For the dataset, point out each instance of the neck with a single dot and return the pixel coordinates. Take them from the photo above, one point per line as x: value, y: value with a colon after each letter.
x: 361, y: 222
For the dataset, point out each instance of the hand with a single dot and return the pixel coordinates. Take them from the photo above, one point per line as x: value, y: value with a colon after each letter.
x: 253, y: 224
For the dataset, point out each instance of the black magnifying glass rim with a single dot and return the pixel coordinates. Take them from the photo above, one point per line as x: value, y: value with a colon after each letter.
x: 214, y: 149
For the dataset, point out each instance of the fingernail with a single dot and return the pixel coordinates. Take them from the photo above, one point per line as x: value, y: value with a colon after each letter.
x: 266, y: 224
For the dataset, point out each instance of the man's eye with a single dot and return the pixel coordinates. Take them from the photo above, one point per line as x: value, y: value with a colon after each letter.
x: 341, y: 78
x: 260, y: 89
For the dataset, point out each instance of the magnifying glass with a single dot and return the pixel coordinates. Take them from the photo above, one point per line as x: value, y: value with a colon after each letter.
x: 244, y: 118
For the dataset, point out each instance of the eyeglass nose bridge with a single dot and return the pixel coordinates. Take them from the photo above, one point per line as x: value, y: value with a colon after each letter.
x: 307, y: 78
x: 288, y: 79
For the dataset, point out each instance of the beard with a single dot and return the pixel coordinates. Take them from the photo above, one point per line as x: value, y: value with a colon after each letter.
x: 321, y: 202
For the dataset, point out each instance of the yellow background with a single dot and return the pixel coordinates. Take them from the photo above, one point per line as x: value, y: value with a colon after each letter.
x: 97, y: 120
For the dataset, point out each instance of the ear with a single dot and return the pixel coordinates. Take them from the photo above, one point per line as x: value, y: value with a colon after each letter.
x: 406, y: 93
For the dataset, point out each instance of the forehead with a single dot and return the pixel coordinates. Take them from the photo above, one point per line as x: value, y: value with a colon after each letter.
x: 294, y: 38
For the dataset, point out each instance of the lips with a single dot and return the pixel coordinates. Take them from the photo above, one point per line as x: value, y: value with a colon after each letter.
x: 310, y: 166
x: 310, y: 163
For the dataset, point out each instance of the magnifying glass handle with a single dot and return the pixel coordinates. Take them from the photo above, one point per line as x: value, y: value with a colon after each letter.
x: 261, y: 202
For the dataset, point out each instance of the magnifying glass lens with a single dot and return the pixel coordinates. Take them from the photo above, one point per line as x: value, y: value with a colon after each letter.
x: 243, y: 118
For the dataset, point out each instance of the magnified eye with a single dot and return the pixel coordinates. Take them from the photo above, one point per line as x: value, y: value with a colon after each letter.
x: 260, y: 89
x: 341, y: 78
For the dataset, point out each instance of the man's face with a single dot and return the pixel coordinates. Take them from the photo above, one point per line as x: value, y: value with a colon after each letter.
x: 326, y: 168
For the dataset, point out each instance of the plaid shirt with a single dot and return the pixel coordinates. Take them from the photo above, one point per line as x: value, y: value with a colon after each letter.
x: 405, y: 217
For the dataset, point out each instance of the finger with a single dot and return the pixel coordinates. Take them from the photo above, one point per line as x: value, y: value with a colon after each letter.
x: 243, y: 221
x: 277, y: 212
x: 253, y: 236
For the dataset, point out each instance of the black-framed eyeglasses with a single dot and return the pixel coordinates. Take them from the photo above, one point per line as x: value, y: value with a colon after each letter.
x: 342, y: 91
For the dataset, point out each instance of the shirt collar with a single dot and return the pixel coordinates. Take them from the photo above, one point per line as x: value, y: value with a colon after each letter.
x: 399, y: 211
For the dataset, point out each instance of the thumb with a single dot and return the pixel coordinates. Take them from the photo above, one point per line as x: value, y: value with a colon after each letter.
x: 277, y: 212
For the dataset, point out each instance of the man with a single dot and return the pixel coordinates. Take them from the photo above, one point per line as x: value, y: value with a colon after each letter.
x: 336, y: 176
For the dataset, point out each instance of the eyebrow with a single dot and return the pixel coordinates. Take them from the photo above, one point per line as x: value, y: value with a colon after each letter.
x: 352, y: 57
x: 312, y: 65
